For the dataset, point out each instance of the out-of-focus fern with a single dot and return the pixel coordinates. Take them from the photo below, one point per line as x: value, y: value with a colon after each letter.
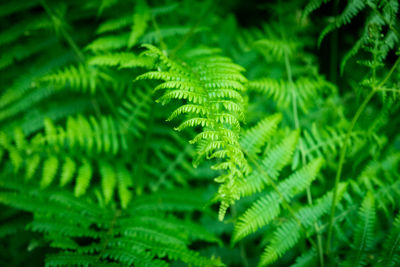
x: 112, y: 235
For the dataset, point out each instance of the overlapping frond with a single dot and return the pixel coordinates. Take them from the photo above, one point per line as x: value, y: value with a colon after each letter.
x: 390, y: 256
x: 267, y: 208
x: 281, y: 91
x: 289, y: 233
x: 113, y: 237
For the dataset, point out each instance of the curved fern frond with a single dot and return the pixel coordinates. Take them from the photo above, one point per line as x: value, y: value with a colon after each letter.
x: 216, y: 114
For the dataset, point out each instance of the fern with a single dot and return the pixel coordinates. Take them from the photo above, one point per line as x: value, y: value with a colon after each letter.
x: 363, y: 236
x: 218, y: 115
x: 93, y: 173
x: 267, y: 208
x: 390, y: 255
x: 288, y: 234
x: 125, y: 243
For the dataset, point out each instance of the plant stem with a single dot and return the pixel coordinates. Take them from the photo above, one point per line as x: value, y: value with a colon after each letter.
x: 63, y: 32
x: 333, y: 68
x: 340, y: 167
x: 303, y: 158
x: 243, y: 255
x: 344, y: 149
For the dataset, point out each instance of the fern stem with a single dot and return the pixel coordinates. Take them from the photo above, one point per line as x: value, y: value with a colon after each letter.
x: 208, y: 6
x: 155, y: 25
x: 303, y: 158
x: 109, y: 234
x: 344, y: 149
x: 63, y: 32
x: 333, y: 67
x: 389, y: 90
x: 108, y: 100
x: 139, y: 169
x: 243, y: 255
x: 340, y: 167
x: 391, y: 27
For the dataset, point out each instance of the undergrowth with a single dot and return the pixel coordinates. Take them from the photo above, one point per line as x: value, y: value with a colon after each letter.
x: 189, y: 133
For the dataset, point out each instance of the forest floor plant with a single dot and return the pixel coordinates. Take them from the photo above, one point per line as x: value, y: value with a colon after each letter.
x: 200, y: 133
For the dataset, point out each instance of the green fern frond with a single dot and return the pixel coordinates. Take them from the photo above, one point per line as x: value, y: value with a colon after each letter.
x: 267, y: 208
x: 140, y: 19
x: 80, y: 78
x: 275, y: 47
x: 254, y: 138
x: 325, y: 142
x: 85, y: 135
x: 281, y: 91
x: 351, y: 10
x: 84, y: 175
x: 221, y: 114
x: 109, y: 42
x: 289, y: 233
x: 390, y: 255
x: 308, y: 258
x: 364, y: 232
x: 273, y: 162
x: 121, y: 60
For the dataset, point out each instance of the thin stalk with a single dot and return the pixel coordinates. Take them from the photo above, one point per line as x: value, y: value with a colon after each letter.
x: 333, y: 68
x: 303, y: 158
x: 344, y: 150
x: 243, y: 255
x: 389, y: 90
x: 63, y: 32
x: 155, y: 25
x: 193, y: 28
x: 139, y: 170
x: 340, y: 167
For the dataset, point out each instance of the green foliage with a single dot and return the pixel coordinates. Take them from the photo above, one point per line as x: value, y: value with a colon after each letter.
x: 192, y: 133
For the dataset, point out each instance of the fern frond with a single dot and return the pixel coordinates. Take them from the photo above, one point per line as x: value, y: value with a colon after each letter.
x: 273, y: 162
x: 364, y: 232
x: 390, y: 255
x: 275, y: 47
x: 84, y: 135
x: 267, y: 208
x: 281, y: 91
x: 288, y: 234
x: 84, y: 175
x: 80, y: 78
x: 254, y: 138
x: 308, y: 258
x: 140, y: 19
x: 221, y: 113
x: 121, y: 60
x: 351, y: 10
x: 109, y: 42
